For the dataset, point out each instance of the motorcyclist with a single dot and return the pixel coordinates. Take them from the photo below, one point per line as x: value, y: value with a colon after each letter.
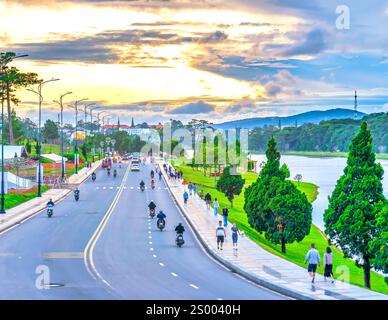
x: 108, y: 171
x: 50, y: 203
x: 114, y: 172
x: 152, y: 205
x: 142, y: 184
x: 152, y: 174
x: 76, y: 192
x: 152, y: 183
x: 179, y: 229
x: 93, y: 176
x: 161, y: 215
x: 160, y: 175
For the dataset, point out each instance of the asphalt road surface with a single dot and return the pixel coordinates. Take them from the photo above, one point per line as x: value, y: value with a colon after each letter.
x: 106, y: 247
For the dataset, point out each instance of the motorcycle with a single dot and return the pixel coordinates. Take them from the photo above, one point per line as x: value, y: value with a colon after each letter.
x: 94, y: 177
x: 76, y: 196
x: 179, y: 240
x: 114, y: 174
x: 152, y: 213
x: 50, y: 212
x: 161, y: 224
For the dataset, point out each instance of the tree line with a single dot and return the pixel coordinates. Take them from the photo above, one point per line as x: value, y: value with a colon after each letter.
x: 327, y: 136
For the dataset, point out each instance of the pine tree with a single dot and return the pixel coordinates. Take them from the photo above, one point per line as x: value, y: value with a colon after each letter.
x: 275, y: 206
x: 230, y: 184
x: 350, y: 219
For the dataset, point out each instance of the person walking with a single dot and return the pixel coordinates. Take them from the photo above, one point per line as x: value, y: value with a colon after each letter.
x: 328, y: 264
x: 181, y: 174
x: 194, y: 188
x: 314, y: 260
x: 225, y: 214
x: 216, y: 205
x: 208, y: 198
x: 235, y: 234
x: 220, y: 235
x: 190, y: 187
x: 185, y: 197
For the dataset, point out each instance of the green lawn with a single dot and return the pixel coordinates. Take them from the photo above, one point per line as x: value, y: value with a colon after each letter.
x: 13, y: 200
x: 327, y: 154
x: 296, y: 251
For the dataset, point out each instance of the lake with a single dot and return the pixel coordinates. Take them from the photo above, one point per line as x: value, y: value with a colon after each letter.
x: 323, y: 172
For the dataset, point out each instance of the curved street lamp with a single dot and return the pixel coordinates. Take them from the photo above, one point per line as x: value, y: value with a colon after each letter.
x: 60, y: 102
x: 75, y: 106
x: 38, y: 92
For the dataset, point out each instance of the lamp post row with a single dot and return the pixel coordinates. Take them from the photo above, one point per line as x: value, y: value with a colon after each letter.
x: 4, y: 60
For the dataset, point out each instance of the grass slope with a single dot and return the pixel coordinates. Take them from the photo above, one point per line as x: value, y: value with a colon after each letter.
x: 13, y: 200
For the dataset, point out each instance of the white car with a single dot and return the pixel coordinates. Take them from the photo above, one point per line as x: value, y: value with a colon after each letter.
x: 135, y: 167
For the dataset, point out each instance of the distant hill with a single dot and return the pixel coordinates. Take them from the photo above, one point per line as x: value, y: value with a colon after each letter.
x: 302, y: 118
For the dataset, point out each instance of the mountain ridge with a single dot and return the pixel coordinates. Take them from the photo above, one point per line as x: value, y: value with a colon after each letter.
x: 314, y: 116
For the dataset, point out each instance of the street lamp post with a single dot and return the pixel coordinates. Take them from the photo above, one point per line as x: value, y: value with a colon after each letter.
x: 76, y: 133
x: 91, y: 128
x: 103, y: 123
x: 60, y: 102
x: 5, y: 58
x: 38, y: 92
x: 86, y: 106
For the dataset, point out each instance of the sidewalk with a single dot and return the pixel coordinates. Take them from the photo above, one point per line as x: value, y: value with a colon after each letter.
x: 27, y: 209
x: 257, y: 264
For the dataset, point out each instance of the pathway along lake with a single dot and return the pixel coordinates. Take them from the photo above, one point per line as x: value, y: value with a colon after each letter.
x: 323, y: 172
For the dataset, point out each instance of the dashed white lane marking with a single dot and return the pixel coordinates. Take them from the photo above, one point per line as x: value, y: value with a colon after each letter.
x: 149, y: 232
x: 111, y: 188
x: 125, y: 187
x: 97, y: 188
x: 149, y: 237
x: 151, y: 249
x: 117, y: 188
x: 194, y: 286
x: 174, y: 274
x: 104, y: 188
x: 149, y: 227
x: 161, y: 264
x: 150, y: 242
x: 154, y: 255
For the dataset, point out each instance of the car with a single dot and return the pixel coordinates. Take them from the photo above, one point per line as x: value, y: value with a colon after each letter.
x: 135, y: 167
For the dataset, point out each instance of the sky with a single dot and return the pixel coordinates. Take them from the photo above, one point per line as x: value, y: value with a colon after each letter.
x: 217, y: 60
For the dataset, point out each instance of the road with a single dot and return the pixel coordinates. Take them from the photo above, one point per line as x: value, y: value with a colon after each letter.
x: 105, y: 247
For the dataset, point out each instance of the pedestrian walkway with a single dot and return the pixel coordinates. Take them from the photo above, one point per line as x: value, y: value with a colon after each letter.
x: 259, y: 265
x: 29, y: 208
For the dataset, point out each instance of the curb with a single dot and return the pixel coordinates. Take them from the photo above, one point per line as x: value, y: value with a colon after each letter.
x: 36, y: 211
x: 261, y: 282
